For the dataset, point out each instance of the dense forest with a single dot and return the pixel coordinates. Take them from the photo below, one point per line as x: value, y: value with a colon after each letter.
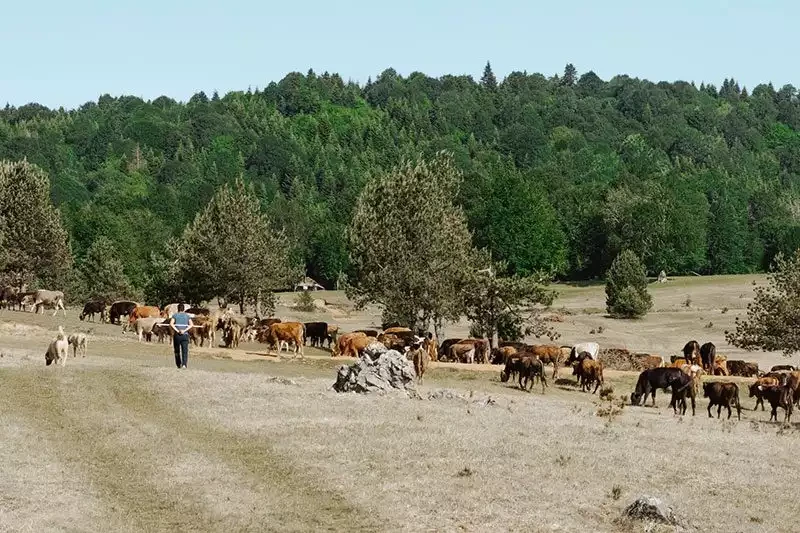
x: 560, y: 173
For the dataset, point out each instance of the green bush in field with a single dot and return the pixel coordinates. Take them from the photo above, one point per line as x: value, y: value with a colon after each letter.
x: 626, y: 287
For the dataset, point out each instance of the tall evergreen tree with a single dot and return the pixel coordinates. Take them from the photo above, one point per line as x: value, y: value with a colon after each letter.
x: 570, y: 75
x: 488, y: 80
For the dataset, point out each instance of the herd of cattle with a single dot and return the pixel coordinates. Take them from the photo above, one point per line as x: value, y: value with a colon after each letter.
x: 780, y: 387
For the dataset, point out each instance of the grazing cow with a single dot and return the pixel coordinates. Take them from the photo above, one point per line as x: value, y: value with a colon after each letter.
x: 501, y: 355
x: 57, y: 350
x: 646, y: 360
x: 44, y: 298
x: 92, y: 308
x: 316, y: 333
x: 550, y: 354
x: 367, y: 332
x: 722, y: 394
x: 511, y: 368
x: 78, y: 343
x: 742, y: 368
x: 683, y: 386
x: 529, y: 369
x: 420, y: 357
x: 691, y: 352
x: 589, y: 371
x: 431, y: 346
x: 481, y: 349
x: 779, y: 368
x: 145, y: 327
x: 592, y: 348
x: 119, y: 309
x: 462, y: 352
x: 287, y: 332
x: 444, y: 348
x: 652, y: 379
x: 708, y: 355
x: 757, y: 388
x: 778, y: 396
x: 332, y: 334
x: 141, y: 311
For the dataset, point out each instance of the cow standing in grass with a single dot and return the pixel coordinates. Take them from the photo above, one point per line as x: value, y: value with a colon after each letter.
x: 722, y: 394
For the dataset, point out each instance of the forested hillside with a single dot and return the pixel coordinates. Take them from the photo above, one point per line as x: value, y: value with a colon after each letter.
x: 560, y: 173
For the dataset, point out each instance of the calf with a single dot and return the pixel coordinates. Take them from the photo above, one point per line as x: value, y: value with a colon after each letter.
x: 78, y: 343
x: 655, y: 378
x: 722, y: 394
x: 778, y: 396
x: 757, y: 389
x: 92, y: 308
x: 145, y: 327
x: 681, y: 387
x: 420, y: 357
x: 589, y: 372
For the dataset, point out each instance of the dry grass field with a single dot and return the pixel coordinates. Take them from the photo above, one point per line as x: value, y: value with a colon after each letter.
x: 121, y: 440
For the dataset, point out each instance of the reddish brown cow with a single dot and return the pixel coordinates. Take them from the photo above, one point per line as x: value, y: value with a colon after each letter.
x: 343, y: 341
x: 287, y: 332
x: 355, y: 345
x: 141, y: 311
x: 549, y: 354
x: 757, y: 389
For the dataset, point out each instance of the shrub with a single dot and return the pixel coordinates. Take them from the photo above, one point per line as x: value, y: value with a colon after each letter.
x: 305, y: 302
x: 626, y: 287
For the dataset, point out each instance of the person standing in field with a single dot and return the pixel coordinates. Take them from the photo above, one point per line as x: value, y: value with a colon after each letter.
x: 181, y: 323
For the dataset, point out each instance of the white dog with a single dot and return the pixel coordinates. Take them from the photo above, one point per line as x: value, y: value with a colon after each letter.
x: 78, y: 343
x: 58, y: 349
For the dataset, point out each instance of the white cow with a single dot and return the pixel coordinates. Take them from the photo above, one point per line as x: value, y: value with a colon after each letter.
x: 144, y: 326
x: 58, y: 349
x: 592, y: 348
x: 170, y: 309
x: 42, y: 298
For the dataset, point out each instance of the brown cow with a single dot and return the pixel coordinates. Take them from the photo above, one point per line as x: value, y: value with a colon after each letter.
x: 355, y: 345
x: 503, y: 354
x: 722, y: 394
x: 742, y: 368
x: 756, y: 389
x: 287, y: 332
x: 679, y: 363
x: 141, y: 311
x: 396, y: 330
x: 444, y: 348
x: 420, y: 357
x: 549, y: 354
x: 333, y: 333
x: 793, y: 382
x: 343, y: 340
x: 530, y: 368
x: 431, y: 346
x: 481, y: 349
x: 463, y: 352
x: 589, y: 372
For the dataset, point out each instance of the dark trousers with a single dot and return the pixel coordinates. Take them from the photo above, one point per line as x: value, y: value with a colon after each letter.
x: 180, y: 343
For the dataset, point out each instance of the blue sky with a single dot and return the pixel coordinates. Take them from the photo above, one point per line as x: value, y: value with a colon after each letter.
x: 66, y: 53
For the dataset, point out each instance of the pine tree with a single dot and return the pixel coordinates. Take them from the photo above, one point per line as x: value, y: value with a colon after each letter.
x: 411, y: 251
x: 102, y: 273
x: 488, y: 80
x: 626, y: 287
x: 37, y: 244
x: 570, y: 75
x: 231, y: 250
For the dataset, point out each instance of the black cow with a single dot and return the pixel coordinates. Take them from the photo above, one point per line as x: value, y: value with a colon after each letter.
x: 708, y: 354
x: 691, y: 350
x: 681, y: 388
x: 778, y: 396
x: 722, y: 394
x: 655, y: 378
x: 779, y: 368
x: 529, y: 369
x: 120, y: 309
x: 92, y: 308
x: 316, y: 333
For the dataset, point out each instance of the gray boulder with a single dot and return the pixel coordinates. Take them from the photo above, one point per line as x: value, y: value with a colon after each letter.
x: 390, y: 371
